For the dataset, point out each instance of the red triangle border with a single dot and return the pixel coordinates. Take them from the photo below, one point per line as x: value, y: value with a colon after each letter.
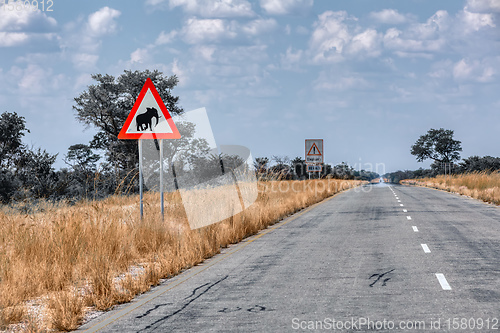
x: 123, y: 135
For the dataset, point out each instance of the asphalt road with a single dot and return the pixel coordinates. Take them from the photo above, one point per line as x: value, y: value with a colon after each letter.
x: 355, y: 262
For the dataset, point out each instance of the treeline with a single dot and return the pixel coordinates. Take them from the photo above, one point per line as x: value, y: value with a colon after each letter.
x: 283, y: 168
x: 107, y: 165
x: 28, y: 173
x: 470, y: 164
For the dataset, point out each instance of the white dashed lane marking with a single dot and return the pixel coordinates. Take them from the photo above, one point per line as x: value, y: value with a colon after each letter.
x: 415, y: 228
x: 399, y: 200
x: 442, y: 281
x: 401, y: 205
x: 405, y: 210
x: 426, y: 248
x: 408, y: 217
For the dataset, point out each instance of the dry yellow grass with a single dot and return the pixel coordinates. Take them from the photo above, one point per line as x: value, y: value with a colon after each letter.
x: 479, y: 185
x: 81, y: 256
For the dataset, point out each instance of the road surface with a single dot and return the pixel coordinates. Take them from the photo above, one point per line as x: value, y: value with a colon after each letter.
x: 384, y: 258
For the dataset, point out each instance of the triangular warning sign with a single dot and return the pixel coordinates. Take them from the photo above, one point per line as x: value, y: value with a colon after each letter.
x: 149, y: 118
x: 314, y: 151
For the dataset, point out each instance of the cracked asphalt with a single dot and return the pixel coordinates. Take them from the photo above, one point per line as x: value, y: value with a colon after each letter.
x: 355, y: 258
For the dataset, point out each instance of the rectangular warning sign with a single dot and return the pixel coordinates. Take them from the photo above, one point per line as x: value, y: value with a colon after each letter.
x: 314, y: 151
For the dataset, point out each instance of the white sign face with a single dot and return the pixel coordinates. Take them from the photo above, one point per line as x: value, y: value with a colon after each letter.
x: 314, y: 150
x: 314, y: 168
x: 149, y: 118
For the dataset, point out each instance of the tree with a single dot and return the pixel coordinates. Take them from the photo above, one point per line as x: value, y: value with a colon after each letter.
x: 36, y: 172
x: 476, y: 163
x: 106, y: 105
x: 12, y: 129
x: 438, y: 145
x: 81, y: 157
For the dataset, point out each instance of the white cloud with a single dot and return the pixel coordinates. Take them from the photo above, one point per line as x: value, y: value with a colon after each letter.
x: 329, y: 36
x: 436, y: 25
x: 475, y: 70
x: 389, y: 16
x: 82, y: 38
x: 367, y: 43
x: 395, y: 40
x: 36, y: 79
x: 103, y: 21
x: 259, y: 26
x: 207, y: 30
x: 166, y: 38
x: 333, y: 38
x: 206, y: 52
x: 473, y: 22
x: 483, y: 6
x: 20, y: 27
x: 139, y: 56
x: 85, y: 61
x: 283, y: 7
x: 8, y: 39
x: 26, y: 21
x: 213, y: 8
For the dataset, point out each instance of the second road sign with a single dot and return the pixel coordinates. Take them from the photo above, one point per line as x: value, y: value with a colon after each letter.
x: 314, y: 150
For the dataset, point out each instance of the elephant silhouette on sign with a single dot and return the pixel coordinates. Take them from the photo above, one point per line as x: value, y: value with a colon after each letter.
x: 146, y: 119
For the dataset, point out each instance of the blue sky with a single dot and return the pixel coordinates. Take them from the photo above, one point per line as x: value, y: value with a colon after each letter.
x: 369, y: 77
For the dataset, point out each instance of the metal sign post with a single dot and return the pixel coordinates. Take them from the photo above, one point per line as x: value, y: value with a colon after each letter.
x: 161, y: 180
x: 140, y: 176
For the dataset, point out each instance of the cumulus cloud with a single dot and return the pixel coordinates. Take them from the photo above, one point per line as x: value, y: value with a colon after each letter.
x: 207, y: 30
x: 85, y: 61
x: 433, y: 28
x: 209, y: 8
x: 333, y: 38
x: 483, y: 6
x: 8, y: 39
x: 166, y: 38
x: 26, y: 21
x: 259, y: 26
x: 283, y: 7
x: 82, y: 39
x: 388, y: 16
x: 36, y: 79
x: 473, y: 22
x: 103, y: 22
x: 20, y: 27
x: 395, y: 39
x: 330, y: 36
x: 367, y: 43
x: 474, y: 70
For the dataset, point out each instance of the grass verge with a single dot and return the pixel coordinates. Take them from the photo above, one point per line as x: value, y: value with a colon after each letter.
x: 479, y: 185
